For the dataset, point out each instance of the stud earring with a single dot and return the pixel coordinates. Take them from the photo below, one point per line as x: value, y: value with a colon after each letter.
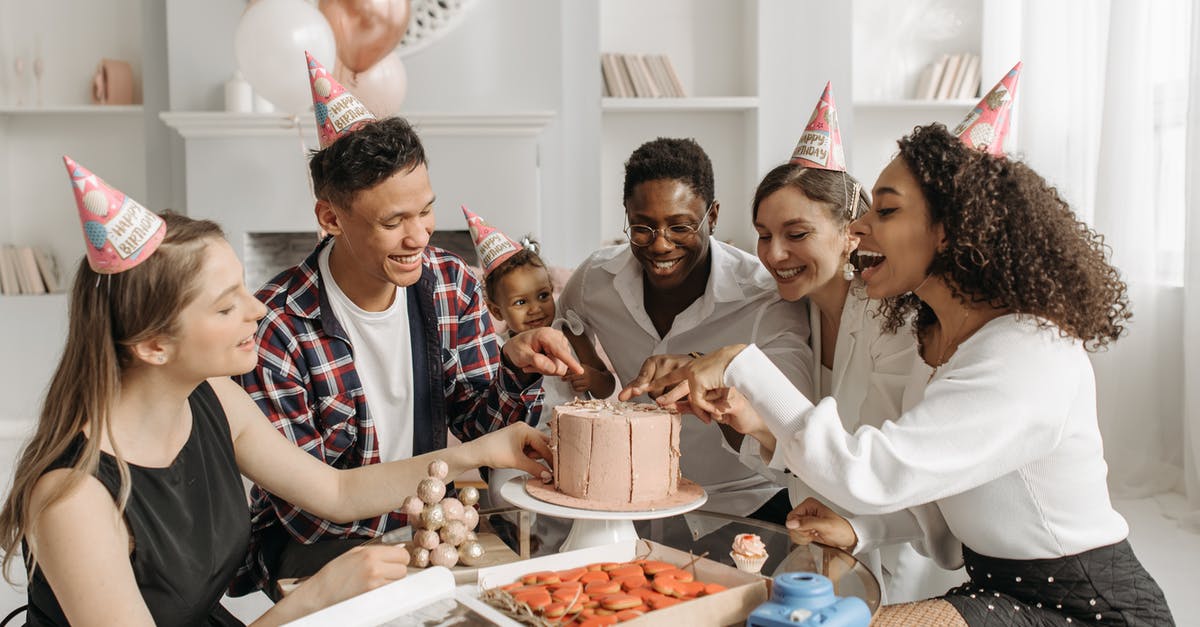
x: 848, y: 271
x: 162, y: 359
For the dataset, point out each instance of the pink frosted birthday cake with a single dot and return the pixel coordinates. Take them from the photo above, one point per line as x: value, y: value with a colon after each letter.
x: 615, y: 456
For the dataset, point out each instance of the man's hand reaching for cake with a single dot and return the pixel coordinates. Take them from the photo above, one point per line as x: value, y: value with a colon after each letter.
x: 655, y: 367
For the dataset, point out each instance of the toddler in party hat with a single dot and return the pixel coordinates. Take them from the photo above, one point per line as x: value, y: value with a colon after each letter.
x: 986, y: 126
x: 519, y: 292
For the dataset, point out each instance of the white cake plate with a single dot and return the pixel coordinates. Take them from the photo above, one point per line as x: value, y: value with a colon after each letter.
x: 591, y: 527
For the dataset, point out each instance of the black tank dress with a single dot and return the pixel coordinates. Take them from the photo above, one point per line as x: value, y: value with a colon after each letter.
x: 189, y: 521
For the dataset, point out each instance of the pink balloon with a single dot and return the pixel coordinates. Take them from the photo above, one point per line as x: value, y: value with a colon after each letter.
x: 366, y: 30
x: 381, y: 87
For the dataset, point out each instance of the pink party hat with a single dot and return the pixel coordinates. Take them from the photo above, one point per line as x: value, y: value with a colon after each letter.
x: 492, y: 246
x: 986, y: 126
x: 120, y: 233
x: 338, y: 111
x: 820, y: 145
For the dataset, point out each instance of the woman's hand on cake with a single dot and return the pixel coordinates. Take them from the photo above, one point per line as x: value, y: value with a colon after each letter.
x: 813, y: 521
x: 543, y: 351
x: 655, y: 367
x: 700, y: 381
x: 515, y: 446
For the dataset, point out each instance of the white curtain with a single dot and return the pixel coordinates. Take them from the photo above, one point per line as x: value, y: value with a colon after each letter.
x: 1103, y: 115
x: 1191, y: 290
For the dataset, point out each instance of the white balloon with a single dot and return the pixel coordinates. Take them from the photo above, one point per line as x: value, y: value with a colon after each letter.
x: 270, y: 42
x: 381, y: 87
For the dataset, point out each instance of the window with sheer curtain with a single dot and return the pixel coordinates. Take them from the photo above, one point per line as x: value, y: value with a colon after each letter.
x: 1104, y: 110
x: 1170, y: 23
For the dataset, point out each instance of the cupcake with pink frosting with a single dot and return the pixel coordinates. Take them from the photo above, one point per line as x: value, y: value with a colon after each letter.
x: 748, y: 552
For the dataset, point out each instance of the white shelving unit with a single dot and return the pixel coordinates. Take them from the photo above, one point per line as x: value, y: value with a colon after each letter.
x: 39, y: 123
x: 893, y: 42
x: 748, y: 95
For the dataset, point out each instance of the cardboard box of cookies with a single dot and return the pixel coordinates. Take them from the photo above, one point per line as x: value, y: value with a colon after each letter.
x: 726, y: 596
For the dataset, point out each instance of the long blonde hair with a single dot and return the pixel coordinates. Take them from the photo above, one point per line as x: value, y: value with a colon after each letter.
x: 108, y: 315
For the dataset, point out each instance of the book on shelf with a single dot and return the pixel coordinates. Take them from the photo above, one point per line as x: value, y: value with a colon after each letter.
x: 14, y: 259
x: 643, y: 85
x: 8, y: 272
x: 676, y: 84
x: 656, y: 75
x: 48, y: 268
x: 948, y: 77
x: 659, y: 66
x: 639, y: 76
x: 612, y: 76
x: 969, y: 88
x: 927, y: 85
x: 29, y: 271
x: 623, y: 78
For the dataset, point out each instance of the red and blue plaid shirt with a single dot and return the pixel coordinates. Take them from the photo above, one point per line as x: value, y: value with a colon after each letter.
x: 307, y: 385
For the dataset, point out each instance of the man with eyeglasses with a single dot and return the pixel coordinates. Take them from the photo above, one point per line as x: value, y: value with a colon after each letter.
x: 675, y: 289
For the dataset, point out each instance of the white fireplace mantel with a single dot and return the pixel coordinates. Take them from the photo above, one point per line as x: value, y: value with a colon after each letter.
x: 219, y: 124
x: 249, y: 172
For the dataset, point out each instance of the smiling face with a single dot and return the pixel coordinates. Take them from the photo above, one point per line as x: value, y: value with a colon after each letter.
x: 217, y: 328
x: 897, y: 238
x: 381, y: 237
x: 662, y: 204
x: 524, y: 298
x: 800, y: 243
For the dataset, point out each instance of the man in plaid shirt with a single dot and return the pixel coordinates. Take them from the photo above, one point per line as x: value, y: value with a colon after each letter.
x: 375, y: 312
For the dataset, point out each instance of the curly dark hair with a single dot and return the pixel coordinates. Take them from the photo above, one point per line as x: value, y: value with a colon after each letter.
x: 1012, y: 242
x: 523, y: 257
x: 827, y: 186
x: 363, y: 159
x: 670, y: 158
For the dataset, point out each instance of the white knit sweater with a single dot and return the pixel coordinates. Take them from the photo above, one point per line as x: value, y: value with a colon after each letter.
x: 1003, y: 453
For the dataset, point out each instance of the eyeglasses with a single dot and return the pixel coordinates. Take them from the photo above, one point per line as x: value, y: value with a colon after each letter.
x: 678, y: 234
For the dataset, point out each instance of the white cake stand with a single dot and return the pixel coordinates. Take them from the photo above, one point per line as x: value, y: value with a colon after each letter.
x: 591, y: 527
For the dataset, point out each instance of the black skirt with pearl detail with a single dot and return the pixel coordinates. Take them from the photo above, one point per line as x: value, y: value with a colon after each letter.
x: 1104, y: 586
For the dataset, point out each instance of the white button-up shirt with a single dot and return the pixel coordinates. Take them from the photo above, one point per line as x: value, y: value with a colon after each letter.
x: 740, y: 305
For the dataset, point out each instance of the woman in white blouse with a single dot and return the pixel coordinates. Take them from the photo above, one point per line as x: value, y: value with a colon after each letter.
x: 802, y: 216
x: 1000, y: 465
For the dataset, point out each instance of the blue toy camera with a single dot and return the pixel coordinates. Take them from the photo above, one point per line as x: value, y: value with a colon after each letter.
x: 807, y: 600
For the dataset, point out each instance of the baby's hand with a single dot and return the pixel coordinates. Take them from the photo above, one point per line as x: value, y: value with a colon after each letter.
x: 580, y: 382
